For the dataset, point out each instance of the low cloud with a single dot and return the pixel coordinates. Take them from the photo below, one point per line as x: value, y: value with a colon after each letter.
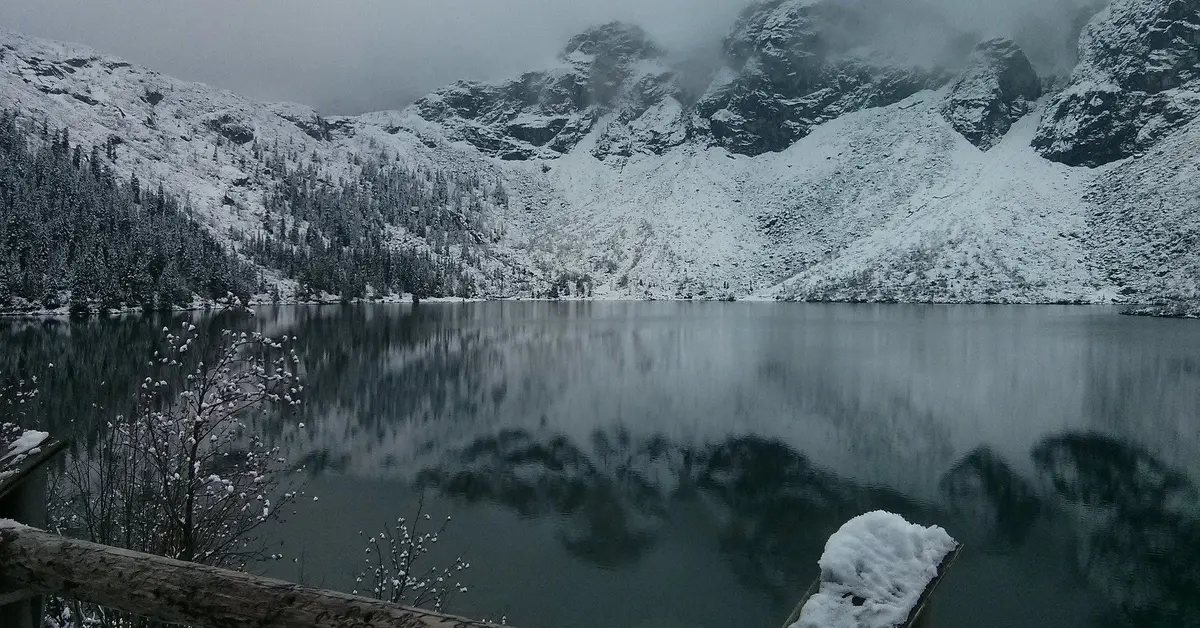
x: 349, y: 56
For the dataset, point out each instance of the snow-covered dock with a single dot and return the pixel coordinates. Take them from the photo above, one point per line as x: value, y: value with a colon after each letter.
x: 877, y: 571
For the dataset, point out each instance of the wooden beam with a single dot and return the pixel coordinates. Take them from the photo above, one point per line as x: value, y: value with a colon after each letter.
x: 795, y: 616
x: 916, y: 616
x: 177, y: 592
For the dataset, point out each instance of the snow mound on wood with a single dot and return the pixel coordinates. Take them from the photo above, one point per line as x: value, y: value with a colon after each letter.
x: 16, y: 445
x: 23, y: 444
x: 873, y: 571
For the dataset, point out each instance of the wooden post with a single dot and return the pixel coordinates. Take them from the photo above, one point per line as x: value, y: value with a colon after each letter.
x: 186, y: 593
x: 23, y: 499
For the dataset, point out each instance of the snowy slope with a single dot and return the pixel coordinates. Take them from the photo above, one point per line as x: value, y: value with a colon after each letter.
x: 881, y: 204
x: 931, y: 217
x: 201, y: 142
x: 1143, y: 218
x: 168, y: 129
x: 879, y: 198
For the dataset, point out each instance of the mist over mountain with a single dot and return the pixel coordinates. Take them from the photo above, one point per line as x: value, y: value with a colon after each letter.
x: 384, y: 54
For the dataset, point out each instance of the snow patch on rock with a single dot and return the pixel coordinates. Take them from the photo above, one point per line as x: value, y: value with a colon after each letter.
x: 873, y: 572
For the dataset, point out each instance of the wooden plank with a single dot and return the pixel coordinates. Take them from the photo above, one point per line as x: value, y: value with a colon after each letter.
x: 795, y: 616
x: 177, y: 592
x: 914, y: 616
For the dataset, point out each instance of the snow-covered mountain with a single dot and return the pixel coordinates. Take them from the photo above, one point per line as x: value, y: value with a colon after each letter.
x: 826, y: 159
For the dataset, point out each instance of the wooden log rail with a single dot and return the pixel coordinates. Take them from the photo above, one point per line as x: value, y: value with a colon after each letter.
x: 178, y: 592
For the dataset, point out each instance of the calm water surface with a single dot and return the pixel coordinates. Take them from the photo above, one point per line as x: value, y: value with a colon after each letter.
x: 681, y: 464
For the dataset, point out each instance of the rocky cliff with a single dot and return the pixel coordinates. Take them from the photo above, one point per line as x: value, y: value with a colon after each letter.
x: 611, y: 76
x: 1138, y: 79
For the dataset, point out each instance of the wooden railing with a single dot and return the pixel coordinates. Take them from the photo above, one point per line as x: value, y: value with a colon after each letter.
x: 186, y: 593
x: 23, y: 498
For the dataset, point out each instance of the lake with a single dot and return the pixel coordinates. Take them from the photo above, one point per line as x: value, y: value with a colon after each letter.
x: 681, y: 464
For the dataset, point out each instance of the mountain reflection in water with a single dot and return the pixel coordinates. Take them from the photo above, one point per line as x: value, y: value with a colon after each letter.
x: 1137, y: 526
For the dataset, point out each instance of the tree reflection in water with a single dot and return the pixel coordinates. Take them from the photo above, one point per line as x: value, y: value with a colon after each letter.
x: 1000, y: 506
x: 610, y: 512
x: 390, y: 388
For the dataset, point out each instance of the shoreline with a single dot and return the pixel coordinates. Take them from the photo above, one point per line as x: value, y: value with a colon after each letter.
x: 1182, y: 311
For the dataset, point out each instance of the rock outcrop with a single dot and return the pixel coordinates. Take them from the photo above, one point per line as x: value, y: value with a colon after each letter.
x: 611, y: 70
x: 795, y: 64
x: 1138, y: 78
x: 998, y: 88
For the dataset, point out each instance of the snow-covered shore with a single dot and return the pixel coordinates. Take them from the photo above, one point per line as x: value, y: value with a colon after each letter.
x: 1170, y: 309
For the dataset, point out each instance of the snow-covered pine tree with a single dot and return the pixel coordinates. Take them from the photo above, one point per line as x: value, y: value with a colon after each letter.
x: 70, y: 226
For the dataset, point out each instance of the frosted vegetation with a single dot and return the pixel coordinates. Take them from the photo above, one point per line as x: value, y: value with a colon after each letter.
x: 78, y: 238
x: 337, y: 239
x: 395, y: 570
x: 185, y: 474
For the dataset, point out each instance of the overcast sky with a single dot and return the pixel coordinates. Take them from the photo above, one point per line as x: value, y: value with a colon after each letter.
x: 350, y: 56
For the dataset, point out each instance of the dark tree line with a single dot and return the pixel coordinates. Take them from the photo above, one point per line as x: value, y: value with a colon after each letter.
x: 69, y: 226
x: 338, y: 237
x: 70, y: 230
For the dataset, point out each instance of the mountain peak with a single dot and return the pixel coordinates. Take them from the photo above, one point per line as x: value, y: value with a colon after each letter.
x: 796, y: 64
x: 613, y: 42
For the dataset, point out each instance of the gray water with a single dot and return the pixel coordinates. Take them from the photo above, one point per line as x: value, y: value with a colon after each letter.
x: 681, y: 464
